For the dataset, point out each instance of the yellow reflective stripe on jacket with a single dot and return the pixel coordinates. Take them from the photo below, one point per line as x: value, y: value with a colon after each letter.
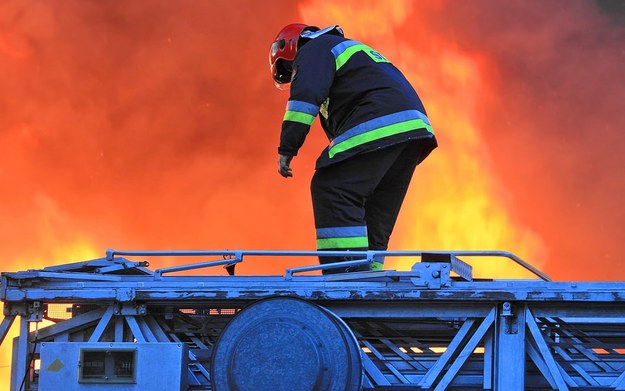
x: 345, y: 50
x: 377, y: 128
x: 302, y: 112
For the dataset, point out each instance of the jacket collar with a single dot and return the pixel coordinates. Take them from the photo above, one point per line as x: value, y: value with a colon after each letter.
x: 334, y: 30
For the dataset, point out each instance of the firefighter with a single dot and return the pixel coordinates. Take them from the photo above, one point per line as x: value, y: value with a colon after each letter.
x: 378, y: 131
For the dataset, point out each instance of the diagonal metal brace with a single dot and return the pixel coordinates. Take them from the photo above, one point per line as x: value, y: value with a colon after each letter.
x: 5, y: 326
x: 544, y: 351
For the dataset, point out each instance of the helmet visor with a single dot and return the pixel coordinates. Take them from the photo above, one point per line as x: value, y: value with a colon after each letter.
x: 277, y: 46
x: 282, y: 72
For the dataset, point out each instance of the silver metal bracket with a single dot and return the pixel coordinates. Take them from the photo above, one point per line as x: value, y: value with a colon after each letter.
x: 35, y: 311
x: 462, y: 269
x: 32, y: 311
x: 509, y: 318
x: 131, y: 310
x: 434, y: 270
x: 431, y: 275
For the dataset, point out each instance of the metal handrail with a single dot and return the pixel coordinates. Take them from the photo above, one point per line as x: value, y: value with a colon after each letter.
x: 236, y: 256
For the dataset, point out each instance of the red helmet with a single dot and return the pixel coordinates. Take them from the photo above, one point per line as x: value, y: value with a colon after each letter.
x: 282, y: 53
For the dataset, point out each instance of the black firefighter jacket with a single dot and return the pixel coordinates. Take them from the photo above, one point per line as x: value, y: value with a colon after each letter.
x: 364, y: 102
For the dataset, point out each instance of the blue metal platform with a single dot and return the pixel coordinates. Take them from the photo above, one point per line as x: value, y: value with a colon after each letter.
x: 434, y: 327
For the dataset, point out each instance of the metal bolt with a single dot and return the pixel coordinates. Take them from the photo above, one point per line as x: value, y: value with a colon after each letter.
x: 506, y: 309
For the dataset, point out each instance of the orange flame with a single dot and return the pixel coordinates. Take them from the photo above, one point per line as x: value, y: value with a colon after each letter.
x: 155, y: 126
x: 456, y: 201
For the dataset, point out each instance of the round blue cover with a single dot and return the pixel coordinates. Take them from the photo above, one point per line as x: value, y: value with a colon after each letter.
x: 286, y: 344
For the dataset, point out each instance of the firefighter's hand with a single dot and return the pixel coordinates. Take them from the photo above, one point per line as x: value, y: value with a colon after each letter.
x: 283, y: 166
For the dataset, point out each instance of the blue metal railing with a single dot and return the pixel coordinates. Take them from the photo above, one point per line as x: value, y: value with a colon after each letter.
x: 236, y: 256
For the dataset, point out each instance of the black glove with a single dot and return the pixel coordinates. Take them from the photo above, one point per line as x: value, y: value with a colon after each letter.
x: 283, y: 166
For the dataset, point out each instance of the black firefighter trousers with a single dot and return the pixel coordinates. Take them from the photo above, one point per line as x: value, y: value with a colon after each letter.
x: 356, y: 201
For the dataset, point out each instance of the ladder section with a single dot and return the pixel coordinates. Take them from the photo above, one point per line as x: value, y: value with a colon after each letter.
x: 433, y: 327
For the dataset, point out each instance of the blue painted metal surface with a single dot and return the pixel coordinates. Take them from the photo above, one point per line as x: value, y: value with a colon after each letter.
x: 426, y: 328
x: 150, y: 366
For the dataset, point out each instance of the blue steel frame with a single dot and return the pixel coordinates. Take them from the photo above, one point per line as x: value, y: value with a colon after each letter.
x: 418, y: 329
